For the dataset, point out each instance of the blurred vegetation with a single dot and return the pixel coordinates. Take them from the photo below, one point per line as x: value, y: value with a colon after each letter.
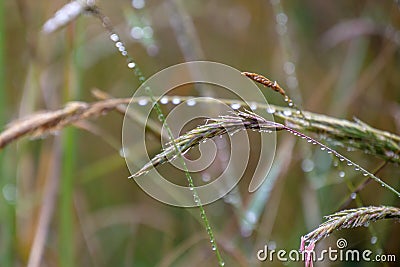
x: 69, y: 195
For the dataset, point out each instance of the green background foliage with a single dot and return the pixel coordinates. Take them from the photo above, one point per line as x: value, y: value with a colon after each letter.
x: 346, y: 58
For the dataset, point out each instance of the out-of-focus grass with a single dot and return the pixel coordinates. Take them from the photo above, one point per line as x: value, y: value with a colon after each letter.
x: 103, y: 219
x: 7, y: 183
x: 73, y: 73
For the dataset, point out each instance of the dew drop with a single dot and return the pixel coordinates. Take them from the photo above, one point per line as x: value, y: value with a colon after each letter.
x: 374, y: 239
x: 353, y: 195
x: 138, y: 4
x: 281, y: 18
x: 270, y: 110
x: 143, y: 102
x: 366, y: 224
x: 356, y: 169
x: 148, y: 32
x: 342, y: 174
x: 286, y: 98
x: 206, y: 177
x: 290, y: 104
x: 191, y: 102
x: 251, y: 217
x: 323, y: 148
x: 191, y: 188
x: 10, y: 192
x: 272, y: 245
x: 341, y: 159
x: 365, y: 174
x: 307, y: 165
x: 123, y: 153
x: 289, y: 67
x: 349, y: 163
x: 213, y: 247
x: 287, y: 112
x: 114, y: 37
x: 176, y: 100
x: 164, y: 100
x: 235, y: 105
x: 137, y: 33
x: 131, y: 65
x: 253, y: 106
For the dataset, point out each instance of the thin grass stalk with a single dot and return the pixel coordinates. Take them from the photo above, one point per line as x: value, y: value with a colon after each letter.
x: 7, y: 208
x: 260, y: 198
x: 360, y: 204
x: 350, y: 219
x: 47, y: 208
x: 345, y: 219
x: 189, y: 178
x: 69, y: 144
x: 287, y: 50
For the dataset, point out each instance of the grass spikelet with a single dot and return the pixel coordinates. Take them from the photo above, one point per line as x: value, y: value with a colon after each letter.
x: 266, y: 82
x: 47, y: 122
x: 239, y: 121
x: 215, y: 127
x: 350, y: 219
x: 66, y: 15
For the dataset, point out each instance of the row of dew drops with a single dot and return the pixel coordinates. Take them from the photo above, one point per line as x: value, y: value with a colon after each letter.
x: 271, y: 110
x: 143, y: 101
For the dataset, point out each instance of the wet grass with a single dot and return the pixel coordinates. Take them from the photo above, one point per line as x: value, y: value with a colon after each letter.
x: 101, y: 218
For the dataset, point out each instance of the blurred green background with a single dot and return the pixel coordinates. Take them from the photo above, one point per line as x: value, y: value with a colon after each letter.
x: 67, y: 199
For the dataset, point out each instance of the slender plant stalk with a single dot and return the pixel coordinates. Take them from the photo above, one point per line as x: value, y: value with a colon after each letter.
x: 7, y: 208
x: 350, y: 219
x: 47, y: 208
x: 360, y: 204
x: 69, y: 144
x: 346, y: 201
x: 189, y: 178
